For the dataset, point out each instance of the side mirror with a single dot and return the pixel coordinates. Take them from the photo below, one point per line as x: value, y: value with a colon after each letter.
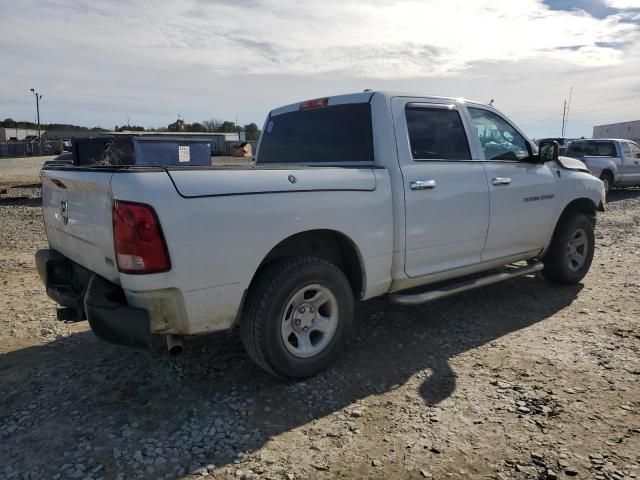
x: 548, y: 151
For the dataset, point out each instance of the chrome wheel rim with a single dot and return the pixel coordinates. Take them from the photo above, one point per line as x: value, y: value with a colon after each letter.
x: 309, y: 321
x: 576, y: 251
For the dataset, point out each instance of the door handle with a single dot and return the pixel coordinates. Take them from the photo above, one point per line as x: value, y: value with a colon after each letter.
x: 501, y: 181
x: 422, y: 185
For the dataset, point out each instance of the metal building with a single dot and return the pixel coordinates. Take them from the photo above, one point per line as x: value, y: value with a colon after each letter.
x: 8, y: 134
x: 628, y: 130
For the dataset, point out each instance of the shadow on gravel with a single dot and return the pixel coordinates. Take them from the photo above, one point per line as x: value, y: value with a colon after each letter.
x: 78, y: 401
x: 622, y: 194
x: 20, y: 201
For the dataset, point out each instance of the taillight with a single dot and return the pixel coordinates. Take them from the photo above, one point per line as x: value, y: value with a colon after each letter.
x: 316, y: 103
x: 139, y: 243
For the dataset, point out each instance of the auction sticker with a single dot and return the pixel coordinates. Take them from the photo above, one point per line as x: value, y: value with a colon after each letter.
x: 184, y: 154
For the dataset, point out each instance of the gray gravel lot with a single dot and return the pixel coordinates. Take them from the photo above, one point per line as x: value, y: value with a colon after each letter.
x: 518, y: 380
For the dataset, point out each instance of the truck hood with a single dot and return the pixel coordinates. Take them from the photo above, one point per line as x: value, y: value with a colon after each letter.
x: 572, y: 164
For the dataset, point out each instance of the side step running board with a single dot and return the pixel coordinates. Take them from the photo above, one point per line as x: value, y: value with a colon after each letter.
x: 452, y: 289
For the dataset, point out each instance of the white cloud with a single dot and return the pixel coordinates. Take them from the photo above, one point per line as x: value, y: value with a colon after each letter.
x: 204, y: 58
x: 623, y: 3
x: 380, y: 39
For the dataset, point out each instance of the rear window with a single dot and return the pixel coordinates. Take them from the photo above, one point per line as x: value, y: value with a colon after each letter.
x: 436, y: 133
x: 334, y: 134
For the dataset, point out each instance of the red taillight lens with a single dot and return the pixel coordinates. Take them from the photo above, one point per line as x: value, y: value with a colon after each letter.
x: 316, y: 103
x: 139, y: 243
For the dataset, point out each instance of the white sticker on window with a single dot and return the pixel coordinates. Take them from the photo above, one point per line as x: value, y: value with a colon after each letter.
x: 269, y: 126
x: 184, y: 154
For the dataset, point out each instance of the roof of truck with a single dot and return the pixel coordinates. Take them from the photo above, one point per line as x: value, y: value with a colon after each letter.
x: 603, y: 140
x: 366, y: 95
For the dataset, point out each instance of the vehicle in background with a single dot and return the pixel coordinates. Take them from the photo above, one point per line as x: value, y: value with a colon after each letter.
x: 351, y: 197
x: 614, y: 161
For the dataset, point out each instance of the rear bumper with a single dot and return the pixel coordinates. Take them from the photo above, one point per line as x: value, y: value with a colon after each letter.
x: 101, y: 302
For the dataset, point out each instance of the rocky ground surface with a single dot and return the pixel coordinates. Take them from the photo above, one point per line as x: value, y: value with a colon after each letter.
x: 519, y: 380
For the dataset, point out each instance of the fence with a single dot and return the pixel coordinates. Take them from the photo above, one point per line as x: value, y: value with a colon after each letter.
x: 29, y: 149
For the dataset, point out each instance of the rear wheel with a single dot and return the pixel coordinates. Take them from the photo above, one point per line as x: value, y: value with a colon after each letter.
x: 299, y: 317
x: 571, y: 251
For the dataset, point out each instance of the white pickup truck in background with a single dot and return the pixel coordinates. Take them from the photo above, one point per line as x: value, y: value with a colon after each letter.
x: 351, y: 197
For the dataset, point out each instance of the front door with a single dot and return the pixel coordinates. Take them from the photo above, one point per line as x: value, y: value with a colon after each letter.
x: 630, y: 163
x: 522, y: 193
x: 446, y: 193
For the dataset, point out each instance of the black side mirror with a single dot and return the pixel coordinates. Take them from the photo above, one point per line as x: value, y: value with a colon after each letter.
x: 548, y: 151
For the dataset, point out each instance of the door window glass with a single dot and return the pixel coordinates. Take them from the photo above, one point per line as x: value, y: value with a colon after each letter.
x: 605, y: 149
x: 635, y: 149
x: 436, y: 134
x: 626, y: 151
x: 499, y: 140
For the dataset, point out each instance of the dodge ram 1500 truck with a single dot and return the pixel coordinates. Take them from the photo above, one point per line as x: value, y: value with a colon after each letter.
x: 351, y: 197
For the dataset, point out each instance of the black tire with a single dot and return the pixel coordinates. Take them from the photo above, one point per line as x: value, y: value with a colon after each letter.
x: 269, y: 296
x: 607, y: 179
x: 560, y: 265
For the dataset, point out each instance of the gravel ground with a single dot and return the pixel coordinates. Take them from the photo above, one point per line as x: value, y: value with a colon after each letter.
x: 517, y: 380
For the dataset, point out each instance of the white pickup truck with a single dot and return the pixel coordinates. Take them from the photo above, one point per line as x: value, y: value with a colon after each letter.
x: 351, y: 197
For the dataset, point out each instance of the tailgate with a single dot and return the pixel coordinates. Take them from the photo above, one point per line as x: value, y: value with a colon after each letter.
x: 77, y: 214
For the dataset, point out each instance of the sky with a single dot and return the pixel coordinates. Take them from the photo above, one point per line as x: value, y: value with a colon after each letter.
x: 104, y: 63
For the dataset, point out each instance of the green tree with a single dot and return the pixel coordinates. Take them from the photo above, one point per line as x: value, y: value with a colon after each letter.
x: 177, y: 126
x: 196, y: 127
x: 228, y: 127
x: 252, y: 132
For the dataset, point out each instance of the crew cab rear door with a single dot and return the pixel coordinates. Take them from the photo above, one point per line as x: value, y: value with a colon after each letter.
x: 445, y: 191
x: 522, y: 192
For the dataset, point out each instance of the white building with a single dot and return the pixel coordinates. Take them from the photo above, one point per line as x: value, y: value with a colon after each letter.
x: 10, y: 133
x: 628, y: 130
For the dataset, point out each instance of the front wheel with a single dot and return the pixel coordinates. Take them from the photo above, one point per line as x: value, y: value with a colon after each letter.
x: 299, y: 317
x: 571, y: 251
x: 607, y: 180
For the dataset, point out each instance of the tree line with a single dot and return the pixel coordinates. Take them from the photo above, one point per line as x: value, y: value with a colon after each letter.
x: 11, y: 123
x: 252, y: 132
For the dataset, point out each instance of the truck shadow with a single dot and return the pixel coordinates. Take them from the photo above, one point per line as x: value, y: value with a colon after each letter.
x: 619, y: 194
x: 155, y: 416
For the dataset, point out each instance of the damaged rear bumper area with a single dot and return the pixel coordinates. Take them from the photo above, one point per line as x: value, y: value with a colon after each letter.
x: 86, y: 295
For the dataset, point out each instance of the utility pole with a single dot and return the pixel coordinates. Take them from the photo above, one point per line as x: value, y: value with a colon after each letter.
x: 566, y: 121
x: 565, y: 113
x: 38, y: 97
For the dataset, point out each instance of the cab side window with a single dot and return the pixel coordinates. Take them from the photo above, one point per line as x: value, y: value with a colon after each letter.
x: 499, y: 140
x: 436, y: 133
x: 626, y: 151
x: 605, y: 149
x: 635, y: 149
